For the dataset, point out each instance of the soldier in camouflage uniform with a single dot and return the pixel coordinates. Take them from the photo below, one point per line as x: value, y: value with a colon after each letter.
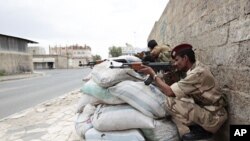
x: 194, y: 101
x: 162, y: 53
x: 159, y: 53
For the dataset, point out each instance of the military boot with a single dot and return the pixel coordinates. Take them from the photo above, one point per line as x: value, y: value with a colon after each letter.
x: 196, y: 133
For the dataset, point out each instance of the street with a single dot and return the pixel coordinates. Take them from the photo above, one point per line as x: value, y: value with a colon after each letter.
x: 17, y: 95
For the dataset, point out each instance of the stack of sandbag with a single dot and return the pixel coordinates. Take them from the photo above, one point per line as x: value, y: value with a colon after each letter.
x: 117, y: 105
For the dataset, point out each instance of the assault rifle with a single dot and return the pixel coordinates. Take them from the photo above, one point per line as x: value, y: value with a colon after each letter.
x: 157, y: 66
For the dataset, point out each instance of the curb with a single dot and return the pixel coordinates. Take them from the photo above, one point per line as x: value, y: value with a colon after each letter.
x: 21, y: 76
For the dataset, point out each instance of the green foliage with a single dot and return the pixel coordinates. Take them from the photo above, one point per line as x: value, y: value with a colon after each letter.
x: 96, y: 57
x: 2, y: 72
x: 115, y: 51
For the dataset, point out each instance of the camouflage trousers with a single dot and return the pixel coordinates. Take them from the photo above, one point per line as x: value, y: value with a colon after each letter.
x: 185, y: 112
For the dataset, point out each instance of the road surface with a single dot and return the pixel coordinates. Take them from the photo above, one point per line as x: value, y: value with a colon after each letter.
x: 17, y: 95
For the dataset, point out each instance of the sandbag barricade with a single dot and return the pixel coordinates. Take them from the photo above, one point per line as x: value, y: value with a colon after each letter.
x: 125, y: 108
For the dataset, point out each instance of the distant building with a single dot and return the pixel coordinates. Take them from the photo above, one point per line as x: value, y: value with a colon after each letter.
x: 130, y: 50
x: 41, y: 60
x: 46, y: 61
x: 74, y: 53
x: 14, y: 55
x: 35, y: 50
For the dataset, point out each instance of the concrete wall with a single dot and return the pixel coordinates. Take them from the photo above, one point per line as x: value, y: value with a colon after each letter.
x: 219, y: 30
x: 14, y: 57
x: 12, y: 63
x: 61, y: 62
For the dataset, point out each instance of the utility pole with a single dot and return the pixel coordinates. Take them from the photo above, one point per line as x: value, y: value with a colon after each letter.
x: 134, y: 39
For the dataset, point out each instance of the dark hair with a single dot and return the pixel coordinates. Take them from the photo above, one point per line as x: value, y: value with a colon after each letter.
x: 152, y: 44
x: 148, y: 58
x: 190, y: 54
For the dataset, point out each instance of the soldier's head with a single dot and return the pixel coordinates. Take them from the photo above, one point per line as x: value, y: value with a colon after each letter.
x: 152, y: 44
x: 184, y: 56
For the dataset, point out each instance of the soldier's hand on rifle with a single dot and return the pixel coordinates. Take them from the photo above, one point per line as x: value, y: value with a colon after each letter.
x: 147, y: 70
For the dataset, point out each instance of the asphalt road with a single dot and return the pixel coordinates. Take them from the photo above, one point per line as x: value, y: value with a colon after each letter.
x: 18, y: 95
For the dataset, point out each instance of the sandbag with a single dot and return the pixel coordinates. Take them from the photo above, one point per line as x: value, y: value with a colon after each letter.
x: 120, y: 117
x: 83, y: 120
x: 165, y: 130
x: 87, y: 78
x: 125, y: 135
x: 147, y: 99
x: 91, y: 88
x: 127, y: 58
x: 84, y: 100
x: 106, y: 77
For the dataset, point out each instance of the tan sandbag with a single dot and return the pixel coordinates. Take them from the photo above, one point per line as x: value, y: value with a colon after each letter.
x: 125, y: 135
x: 106, y: 77
x: 147, y: 99
x: 84, y: 100
x: 83, y: 120
x: 165, y: 130
x: 120, y: 117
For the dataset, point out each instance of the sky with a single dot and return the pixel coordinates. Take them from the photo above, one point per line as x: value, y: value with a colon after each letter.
x: 99, y: 24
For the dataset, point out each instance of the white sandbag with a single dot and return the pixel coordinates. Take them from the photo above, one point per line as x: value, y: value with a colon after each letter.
x: 147, y: 99
x: 87, y: 78
x: 83, y: 120
x: 84, y: 100
x: 106, y: 77
x: 120, y: 117
x: 125, y: 135
x: 128, y: 58
x: 91, y: 88
x: 165, y: 130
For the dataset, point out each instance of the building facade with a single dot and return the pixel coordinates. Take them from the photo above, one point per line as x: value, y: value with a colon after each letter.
x: 74, y: 53
x: 35, y: 50
x: 130, y: 50
x: 47, y: 61
x: 14, y: 55
x: 41, y: 60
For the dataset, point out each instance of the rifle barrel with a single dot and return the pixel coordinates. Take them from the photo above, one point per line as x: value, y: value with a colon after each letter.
x: 138, y: 65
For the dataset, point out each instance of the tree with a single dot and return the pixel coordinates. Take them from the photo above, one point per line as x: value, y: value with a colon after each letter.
x: 96, y: 57
x: 115, y: 51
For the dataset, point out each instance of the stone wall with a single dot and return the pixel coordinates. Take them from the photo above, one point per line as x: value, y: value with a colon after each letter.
x: 219, y: 30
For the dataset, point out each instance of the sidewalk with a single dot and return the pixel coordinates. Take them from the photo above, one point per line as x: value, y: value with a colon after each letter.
x: 52, y: 120
x: 20, y: 76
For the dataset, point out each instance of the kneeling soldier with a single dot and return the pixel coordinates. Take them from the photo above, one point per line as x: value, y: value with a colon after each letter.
x: 193, y: 101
